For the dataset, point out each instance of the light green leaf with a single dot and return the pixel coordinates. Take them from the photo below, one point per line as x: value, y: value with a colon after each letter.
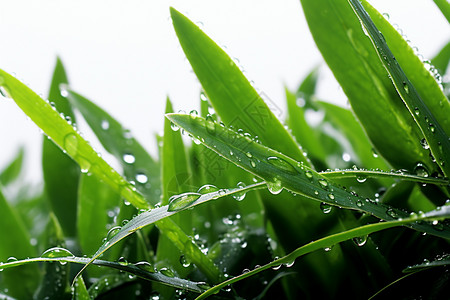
x: 12, y: 171
x: 80, y: 292
x: 61, y: 173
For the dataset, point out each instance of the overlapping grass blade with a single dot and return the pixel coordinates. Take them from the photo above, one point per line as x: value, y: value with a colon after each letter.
x: 137, y: 164
x: 363, y: 174
x: 444, y: 6
x: 322, y: 243
x: 80, y: 292
x: 12, y: 171
x: 280, y: 171
x: 233, y: 97
x: 21, y: 282
x: 356, y: 66
x: 439, y: 262
x: 61, y: 187
x: 428, y: 116
x: 66, y: 137
x: 143, y: 270
x: 442, y: 59
x: 156, y: 215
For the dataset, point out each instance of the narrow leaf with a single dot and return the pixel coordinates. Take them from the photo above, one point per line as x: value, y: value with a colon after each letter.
x: 280, y: 171
x: 233, y: 97
x: 12, y: 171
x: 431, y: 128
x: 444, y: 6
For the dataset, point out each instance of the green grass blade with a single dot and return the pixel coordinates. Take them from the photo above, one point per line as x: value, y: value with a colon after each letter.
x: 231, y: 94
x: 362, y: 174
x: 21, y: 282
x: 442, y: 59
x: 439, y: 262
x: 444, y: 6
x: 61, y: 186
x: 137, y: 164
x: 356, y: 66
x: 349, y: 126
x: 97, y: 207
x: 280, y: 171
x: 431, y: 127
x: 322, y: 243
x: 141, y: 269
x: 12, y: 171
x: 80, y: 292
x: 67, y: 138
x: 158, y: 215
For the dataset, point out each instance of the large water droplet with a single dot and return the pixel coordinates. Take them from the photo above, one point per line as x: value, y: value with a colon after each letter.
x: 141, y: 178
x: 390, y: 212
x: 112, y: 232
x: 71, y: 144
x: 193, y: 113
x: 207, y: 188
x: 240, y: 196
x: 210, y: 124
x: 146, y: 266
x: 174, y: 126
x: 184, y: 261
x: 166, y: 271
x: 281, y: 164
x: 274, y: 186
x: 129, y: 158
x: 421, y: 170
x: 309, y: 174
x: 361, y: 178
x: 181, y: 201
x: 323, y: 183
x: 360, y: 240
x: 325, y: 207
x: 105, y: 125
x: 56, y: 252
x: 11, y: 259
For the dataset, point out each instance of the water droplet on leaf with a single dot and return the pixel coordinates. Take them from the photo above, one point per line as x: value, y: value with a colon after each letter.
x: 56, y: 252
x: 181, y: 201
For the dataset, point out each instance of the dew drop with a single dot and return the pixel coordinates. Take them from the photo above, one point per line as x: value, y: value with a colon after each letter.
x: 11, y: 259
x: 281, y: 164
x: 146, y: 266
x: 105, y: 124
x: 359, y: 203
x: 5, y: 93
x: 309, y: 174
x: 326, y: 208
x: 240, y: 196
x: 122, y: 261
x: 112, y: 232
x: 290, y: 264
x: 360, y: 240
x: 361, y: 178
x: 167, y: 272
x: 331, y: 196
x: 203, y: 286
x: 416, y: 111
x: 390, y: 212
x: 71, y: 144
x: 179, y: 202
x: 210, y: 124
x: 421, y: 170
x: 184, y: 261
x: 207, y: 188
x: 406, y: 87
x: 141, y: 178
x: 174, y: 126
x: 323, y: 183
x: 346, y: 157
x: 424, y: 144
x: 431, y: 127
x: 129, y: 158
x: 203, y: 96
x: 274, y: 186
x: 56, y: 252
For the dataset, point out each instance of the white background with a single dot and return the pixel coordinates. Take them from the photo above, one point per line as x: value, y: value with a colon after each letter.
x: 124, y: 55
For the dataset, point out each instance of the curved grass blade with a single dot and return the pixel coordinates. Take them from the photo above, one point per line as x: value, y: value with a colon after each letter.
x: 12, y: 171
x: 280, y: 171
x: 137, y: 164
x: 15, y: 240
x: 141, y: 269
x: 374, y: 100
x: 61, y: 187
x: 80, y: 292
x: 322, y: 243
x: 233, y: 97
x: 67, y: 138
x: 179, y: 203
x: 432, y: 129
x: 439, y: 262
x: 444, y: 6
x: 362, y: 174
x: 442, y: 59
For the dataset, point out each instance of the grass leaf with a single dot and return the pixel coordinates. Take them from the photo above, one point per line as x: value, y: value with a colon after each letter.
x: 233, y: 97
x: 423, y: 113
x: 61, y: 186
x: 12, y: 171
x: 137, y: 164
x: 444, y: 6
x: 280, y: 171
